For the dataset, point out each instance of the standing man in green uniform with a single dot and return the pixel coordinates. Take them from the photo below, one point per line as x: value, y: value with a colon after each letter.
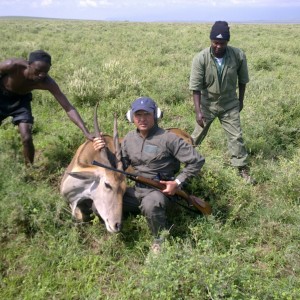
x: 216, y: 72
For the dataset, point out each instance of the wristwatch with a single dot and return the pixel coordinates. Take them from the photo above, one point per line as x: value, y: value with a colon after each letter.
x: 178, y: 182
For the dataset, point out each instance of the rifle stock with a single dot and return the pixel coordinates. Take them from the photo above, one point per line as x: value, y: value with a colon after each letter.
x: 198, y: 203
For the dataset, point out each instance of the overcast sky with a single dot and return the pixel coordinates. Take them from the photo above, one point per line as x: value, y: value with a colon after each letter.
x: 157, y: 10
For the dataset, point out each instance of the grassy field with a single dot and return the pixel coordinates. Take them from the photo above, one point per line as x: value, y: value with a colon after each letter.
x: 248, y: 248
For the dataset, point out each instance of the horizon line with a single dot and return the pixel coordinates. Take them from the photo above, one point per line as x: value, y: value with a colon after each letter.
x: 159, y: 21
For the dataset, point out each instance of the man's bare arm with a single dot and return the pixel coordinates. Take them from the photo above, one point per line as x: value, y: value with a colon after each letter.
x: 71, y: 111
x: 10, y: 66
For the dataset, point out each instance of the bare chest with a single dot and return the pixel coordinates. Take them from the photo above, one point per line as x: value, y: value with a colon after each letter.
x: 18, y: 84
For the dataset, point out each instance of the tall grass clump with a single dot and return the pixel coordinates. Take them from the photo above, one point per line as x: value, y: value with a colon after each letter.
x: 247, y: 249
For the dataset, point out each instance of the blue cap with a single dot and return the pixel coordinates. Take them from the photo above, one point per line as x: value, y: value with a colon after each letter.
x: 143, y: 103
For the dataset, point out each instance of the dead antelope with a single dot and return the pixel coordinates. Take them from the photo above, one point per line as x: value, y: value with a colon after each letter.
x: 182, y: 134
x: 90, y: 188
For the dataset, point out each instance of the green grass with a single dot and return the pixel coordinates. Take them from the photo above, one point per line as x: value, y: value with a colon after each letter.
x: 248, y: 248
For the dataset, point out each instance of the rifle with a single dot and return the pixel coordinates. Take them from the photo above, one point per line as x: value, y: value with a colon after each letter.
x: 191, y: 200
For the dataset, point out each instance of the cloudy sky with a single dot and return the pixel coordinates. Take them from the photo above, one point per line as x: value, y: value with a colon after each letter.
x: 157, y: 10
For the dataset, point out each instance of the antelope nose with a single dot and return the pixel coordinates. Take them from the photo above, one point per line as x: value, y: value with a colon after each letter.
x: 118, y: 226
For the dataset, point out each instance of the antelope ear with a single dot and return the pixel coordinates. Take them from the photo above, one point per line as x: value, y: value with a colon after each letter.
x: 83, y: 175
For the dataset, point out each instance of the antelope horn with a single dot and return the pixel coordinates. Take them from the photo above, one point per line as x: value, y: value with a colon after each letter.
x: 103, y: 151
x: 96, y: 124
x: 117, y: 144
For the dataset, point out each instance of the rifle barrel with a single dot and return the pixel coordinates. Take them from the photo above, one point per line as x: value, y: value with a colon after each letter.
x: 200, y: 204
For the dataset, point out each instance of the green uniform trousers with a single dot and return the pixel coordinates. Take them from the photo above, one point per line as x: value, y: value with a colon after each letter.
x: 230, y: 121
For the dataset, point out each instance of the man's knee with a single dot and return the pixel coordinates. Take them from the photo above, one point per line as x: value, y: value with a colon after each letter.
x: 154, y: 201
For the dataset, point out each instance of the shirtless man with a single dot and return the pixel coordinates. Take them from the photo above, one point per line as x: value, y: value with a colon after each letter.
x: 18, y: 78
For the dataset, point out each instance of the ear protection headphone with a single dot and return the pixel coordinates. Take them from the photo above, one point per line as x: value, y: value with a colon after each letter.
x: 158, y: 114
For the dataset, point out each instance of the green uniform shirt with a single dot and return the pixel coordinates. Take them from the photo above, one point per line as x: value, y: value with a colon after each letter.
x: 161, y: 153
x: 219, y: 91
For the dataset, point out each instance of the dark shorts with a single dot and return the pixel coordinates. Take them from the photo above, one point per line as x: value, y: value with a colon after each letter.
x: 16, y: 106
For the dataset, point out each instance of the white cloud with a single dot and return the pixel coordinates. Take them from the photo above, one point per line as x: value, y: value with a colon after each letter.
x: 88, y: 3
x: 42, y: 3
x: 46, y: 2
x: 152, y: 3
x: 95, y: 3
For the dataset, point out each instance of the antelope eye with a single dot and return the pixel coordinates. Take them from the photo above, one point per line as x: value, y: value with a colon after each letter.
x: 107, y: 185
